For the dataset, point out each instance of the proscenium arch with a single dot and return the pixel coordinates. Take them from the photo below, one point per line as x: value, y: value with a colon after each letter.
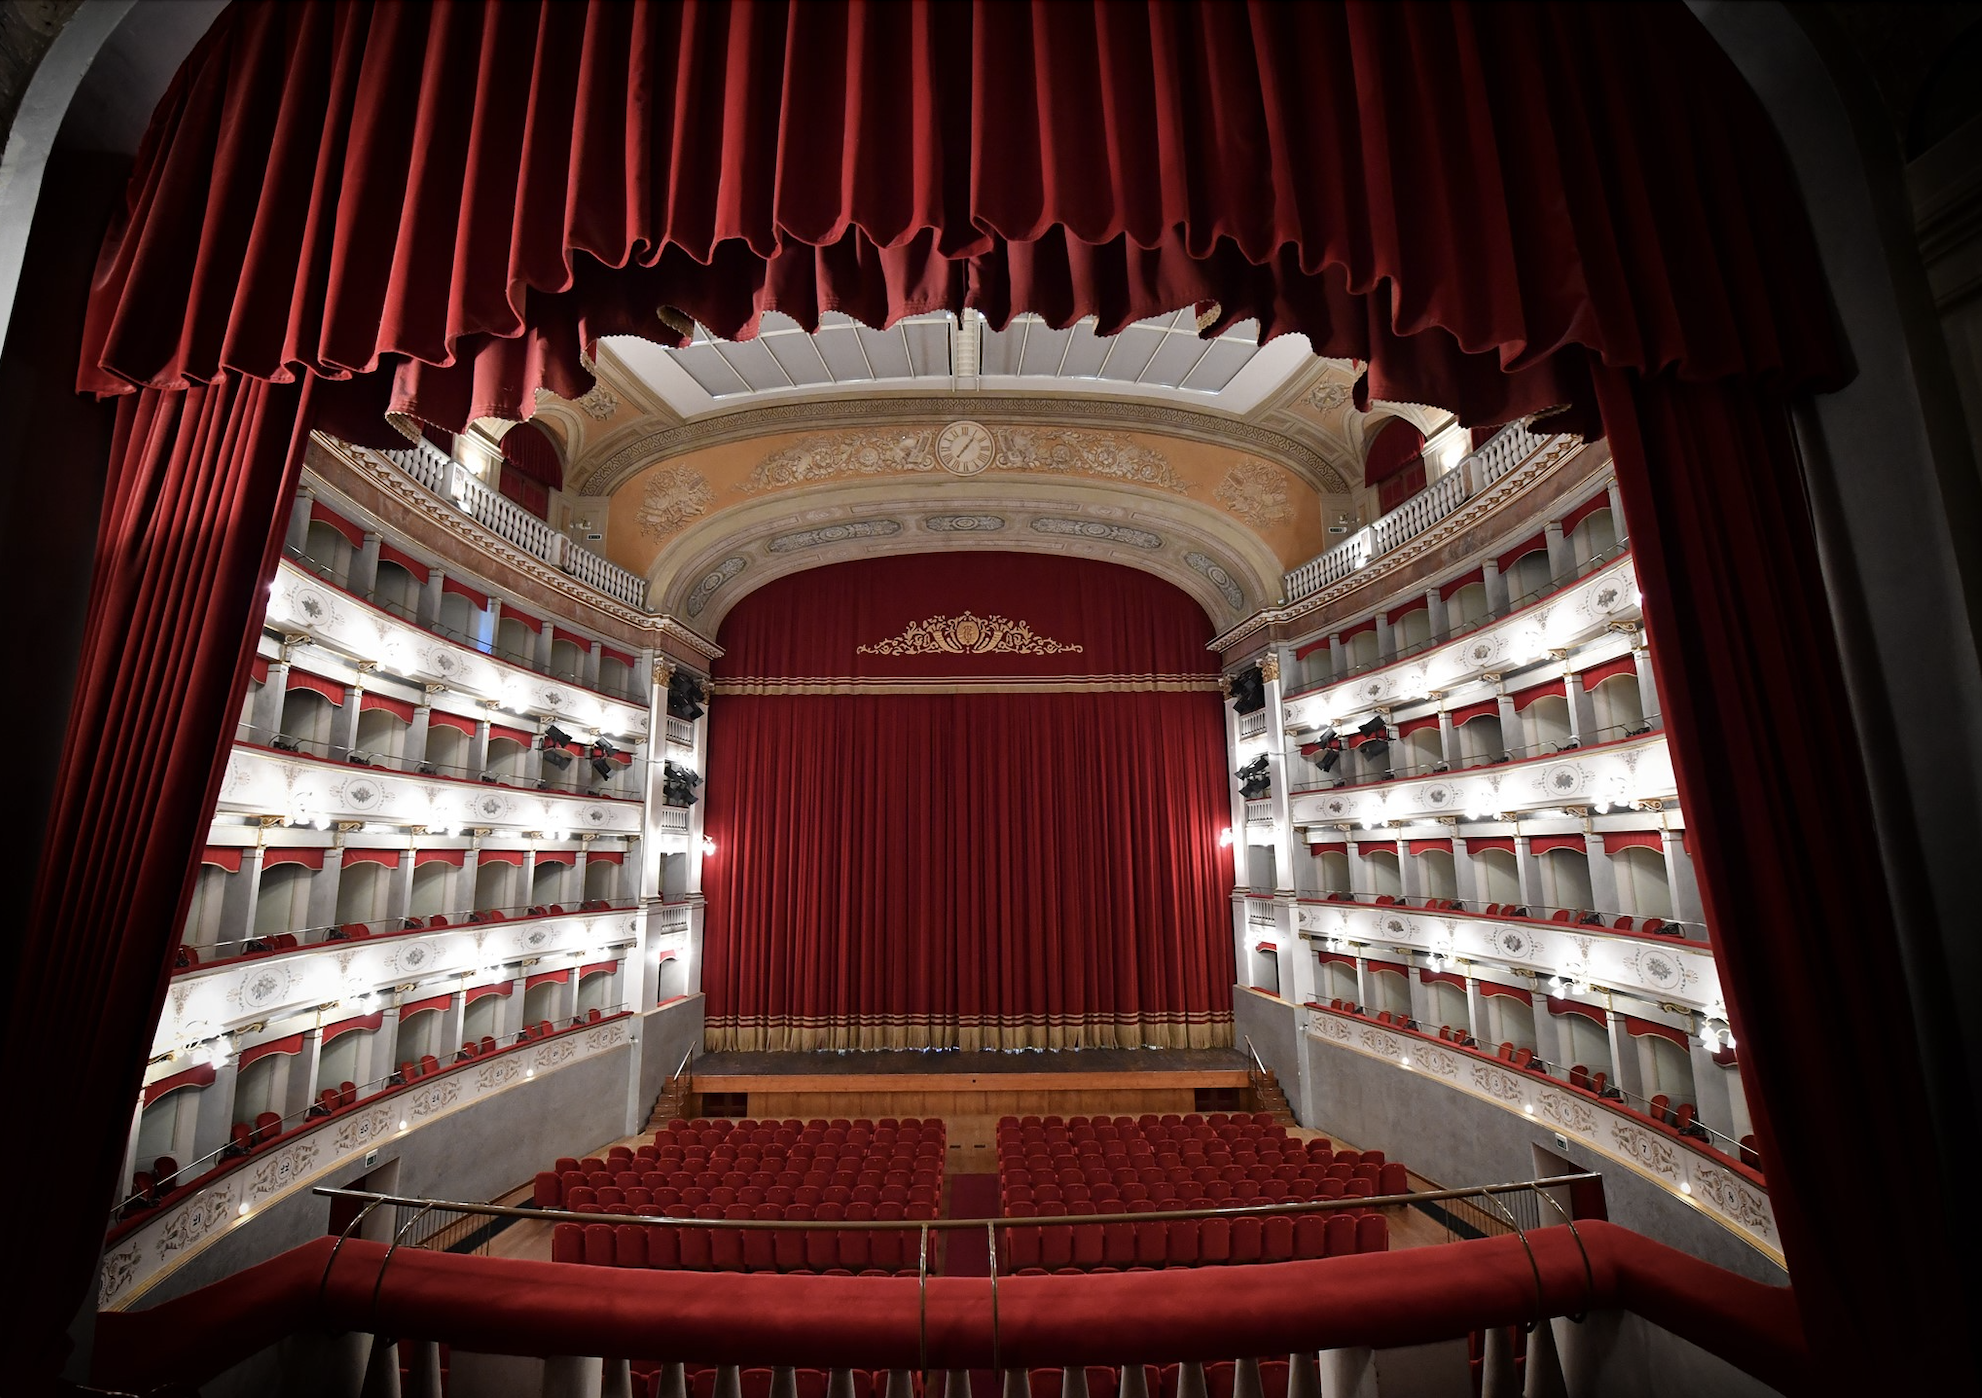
x: 1187, y: 529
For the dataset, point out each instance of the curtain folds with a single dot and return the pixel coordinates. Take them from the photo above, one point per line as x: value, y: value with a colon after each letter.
x: 967, y: 801
x: 1501, y: 209
x: 466, y: 194
x: 981, y: 871
x: 198, y: 480
x: 1777, y: 821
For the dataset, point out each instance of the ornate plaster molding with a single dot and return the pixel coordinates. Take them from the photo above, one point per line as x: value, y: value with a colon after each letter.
x: 660, y: 442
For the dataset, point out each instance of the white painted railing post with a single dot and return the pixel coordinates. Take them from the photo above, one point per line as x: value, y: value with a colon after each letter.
x: 573, y: 1376
x: 1497, y: 1377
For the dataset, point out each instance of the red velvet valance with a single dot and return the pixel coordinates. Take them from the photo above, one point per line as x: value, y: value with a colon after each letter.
x: 329, y: 689
x: 1625, y: 664
x: 481, y: 167
x: 501, y: 856
x: 1525, y: 697
x: 1542, y: 844
x: 548, y: 978
x: 1473, y: 711
x: 1651, y: 1029
x: 414, y: 1007
x: 1615, y: 840
x: 1512, y: 992
x: 319, y: 514
x: 441, y: 718
x: 1478, y: 575
x: 356, y: 855
x: 604, y: 856
x: 400, y: 708
x: 1559, y: 1006
x: 227, y: 857
x: 309, y: 858
x: 456, y: 857
x: 1417, y: 725
x: 292, y: 1044
x: 1429, y: 846
x: 476, y: 992
x: 1538, y: 544
x: 1599, y: 501
x: 356, y: 1024
x: 1478, y: 843
x: 199, y: 1075
x: 513, y: 735
x: 461, y: 589
x: 389, y: 554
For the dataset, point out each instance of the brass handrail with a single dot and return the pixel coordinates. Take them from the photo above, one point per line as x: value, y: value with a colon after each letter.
x: 941, y: 1225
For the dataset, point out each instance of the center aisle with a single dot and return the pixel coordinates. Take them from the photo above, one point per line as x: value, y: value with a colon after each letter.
x: 967, y: 1252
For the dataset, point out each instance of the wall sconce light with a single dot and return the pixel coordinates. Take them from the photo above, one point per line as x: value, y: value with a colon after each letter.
x: 1225, y: 838
x: 708, y: 847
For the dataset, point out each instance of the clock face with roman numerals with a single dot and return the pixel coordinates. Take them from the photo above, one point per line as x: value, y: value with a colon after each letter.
x: 965, y: 448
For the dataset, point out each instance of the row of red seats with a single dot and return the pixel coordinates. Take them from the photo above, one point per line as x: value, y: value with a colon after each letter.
x: 828, y: 1251
x: 1379, y: 1179
x: 1220, y: 1381
x: 1190, y: 1242
x: 551, y: 1192
x: 1286, y: 1151
x: 723, y: 1126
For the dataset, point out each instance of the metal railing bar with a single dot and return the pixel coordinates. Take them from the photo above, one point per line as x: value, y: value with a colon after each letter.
x: 940, y: 1225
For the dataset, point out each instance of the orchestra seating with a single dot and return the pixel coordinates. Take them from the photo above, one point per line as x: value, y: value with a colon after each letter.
x: 1049, y: 1166
x: 838, y: 1170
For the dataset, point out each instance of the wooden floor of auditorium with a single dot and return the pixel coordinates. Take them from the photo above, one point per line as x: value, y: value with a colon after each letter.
x: 804, y: 1085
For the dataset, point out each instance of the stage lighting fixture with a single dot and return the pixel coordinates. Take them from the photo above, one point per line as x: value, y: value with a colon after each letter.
x: 603, y: 766
x: 1372, y: 726
x: 1248, y: 691
x: 678, y: 785
x: 685, y: 696
x: 556, y: 757
x: 1255, y: 779
x: 1329, y: 757
x: 555, y: 737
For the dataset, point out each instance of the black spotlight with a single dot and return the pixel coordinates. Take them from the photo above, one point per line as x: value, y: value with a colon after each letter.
x: 1372, y: 727
x: 1255, y: 779
x: 685, y: 696
x: 556, y: 757
x: 678, y: 785
x: 555, y: 737
x: 1330, y: 756
x: 1248, y: 691
x: 603, y: 766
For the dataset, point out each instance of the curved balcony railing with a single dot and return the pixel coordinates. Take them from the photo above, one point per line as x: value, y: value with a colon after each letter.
x: 307, y: 790
x: 1640, y: 925
x: 274, y: 942
x: 1583, y: 608
x: 1479, y: 469
x: 578, y: 779
x: 225, y: 1190
x: 1732, y: 1192
x: 1405, y: 1319
x: 1604, y: 776
x: 401, y: 644
x: 449, y: 480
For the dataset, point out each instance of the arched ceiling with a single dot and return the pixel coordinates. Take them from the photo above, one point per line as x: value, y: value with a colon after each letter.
x: 1217, y: 465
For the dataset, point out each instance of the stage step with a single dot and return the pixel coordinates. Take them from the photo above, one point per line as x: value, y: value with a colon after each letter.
x: 676, y: 1100
x: 1269, y: 1097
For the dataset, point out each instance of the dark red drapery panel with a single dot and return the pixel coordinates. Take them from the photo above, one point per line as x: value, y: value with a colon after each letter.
x: 906, y: 860
x: 351, y: 187
x: 1750, y: 684
x: 197, y: 481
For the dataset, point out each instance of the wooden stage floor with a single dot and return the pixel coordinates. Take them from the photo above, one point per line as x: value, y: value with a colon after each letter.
x: 971, y: 1089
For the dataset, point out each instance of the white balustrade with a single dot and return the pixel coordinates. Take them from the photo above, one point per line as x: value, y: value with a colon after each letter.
x: 1253, y: 724
x: 454, y: 483
x: 1610, y: 775
x: 1259, y: 812
x: 1578, y: 613
x: 681, y: 732
x: 671, y: 820
x: 306, y: 790
x: 299, y: 601
x: 1497, y: 456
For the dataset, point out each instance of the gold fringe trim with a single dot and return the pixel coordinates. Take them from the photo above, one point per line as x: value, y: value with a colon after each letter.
x: 731, y: 1033
x: 1004, y: 684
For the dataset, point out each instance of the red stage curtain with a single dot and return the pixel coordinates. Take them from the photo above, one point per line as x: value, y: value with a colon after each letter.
x: 1750, y: 686
x: 905, y: 860
x: 1482, y: 203
x: 1395, y: 463
x: 199, y: 480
